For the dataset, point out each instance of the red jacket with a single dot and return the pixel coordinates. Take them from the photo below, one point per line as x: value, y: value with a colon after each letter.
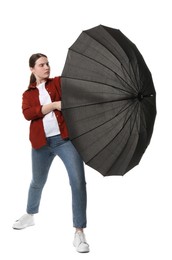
x: 31, y: 108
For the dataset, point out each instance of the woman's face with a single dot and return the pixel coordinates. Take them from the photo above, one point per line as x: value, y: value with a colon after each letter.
x: 41, y: 70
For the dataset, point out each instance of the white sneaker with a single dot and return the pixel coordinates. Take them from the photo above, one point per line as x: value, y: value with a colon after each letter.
x: 26, y: 220
x: 80, y: 242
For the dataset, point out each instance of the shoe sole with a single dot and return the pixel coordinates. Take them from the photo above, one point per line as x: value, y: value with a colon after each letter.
x: 83, y: 252
x: 80, y: 251
x: 15, y: 228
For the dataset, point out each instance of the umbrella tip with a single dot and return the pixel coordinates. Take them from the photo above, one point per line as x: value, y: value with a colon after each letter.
x: 140, y: 96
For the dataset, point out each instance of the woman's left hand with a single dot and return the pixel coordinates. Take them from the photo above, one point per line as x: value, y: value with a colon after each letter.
x: 57, y: 105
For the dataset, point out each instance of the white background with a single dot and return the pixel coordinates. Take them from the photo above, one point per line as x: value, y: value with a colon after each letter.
x: 128, y: 217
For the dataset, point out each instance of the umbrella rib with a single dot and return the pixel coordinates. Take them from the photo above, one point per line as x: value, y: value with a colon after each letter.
x: 118, y: 76
x: 120, y: 129
x: 136, y: 107
x: 121, y: 111
x: 97, y: 82
x: 114, y: 55
x: 97, y: 103
x: 115, y: 137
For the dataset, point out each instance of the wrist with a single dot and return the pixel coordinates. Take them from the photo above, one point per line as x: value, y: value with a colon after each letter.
x: 53, y: 106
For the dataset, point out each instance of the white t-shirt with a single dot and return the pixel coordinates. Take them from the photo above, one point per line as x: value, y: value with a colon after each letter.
x: 50, y: 123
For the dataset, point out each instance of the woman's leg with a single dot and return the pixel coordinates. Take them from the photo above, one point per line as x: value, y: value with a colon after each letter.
x: 41, y: 162
x: 75, y: 168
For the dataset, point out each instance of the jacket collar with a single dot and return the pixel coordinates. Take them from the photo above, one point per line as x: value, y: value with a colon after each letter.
x: 33, y: 85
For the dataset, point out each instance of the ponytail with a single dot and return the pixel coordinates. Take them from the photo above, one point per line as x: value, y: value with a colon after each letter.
x: 32, y: 79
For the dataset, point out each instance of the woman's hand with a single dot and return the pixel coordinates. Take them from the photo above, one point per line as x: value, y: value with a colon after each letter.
x: 51, y: 107
x: 57, y: 105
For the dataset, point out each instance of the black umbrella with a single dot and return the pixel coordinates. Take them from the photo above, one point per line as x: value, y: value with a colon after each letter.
x: 108, y: 100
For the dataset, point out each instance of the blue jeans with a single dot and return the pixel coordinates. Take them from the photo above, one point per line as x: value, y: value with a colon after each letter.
x: 41, y: 162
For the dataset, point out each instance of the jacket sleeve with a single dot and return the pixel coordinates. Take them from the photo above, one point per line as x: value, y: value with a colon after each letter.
x: 30, y: 112
x: 58, y: 85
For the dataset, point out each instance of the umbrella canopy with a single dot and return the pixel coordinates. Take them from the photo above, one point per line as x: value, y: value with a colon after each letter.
x: 108, y: 100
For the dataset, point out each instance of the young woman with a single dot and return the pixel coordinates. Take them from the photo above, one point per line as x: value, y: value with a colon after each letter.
x: 41, y: 105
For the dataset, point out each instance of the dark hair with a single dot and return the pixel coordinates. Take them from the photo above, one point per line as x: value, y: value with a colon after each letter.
x: 32, y: 61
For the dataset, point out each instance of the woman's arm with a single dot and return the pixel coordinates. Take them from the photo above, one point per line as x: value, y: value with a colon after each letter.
x: 51, y: 107
x: 38, y: 111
